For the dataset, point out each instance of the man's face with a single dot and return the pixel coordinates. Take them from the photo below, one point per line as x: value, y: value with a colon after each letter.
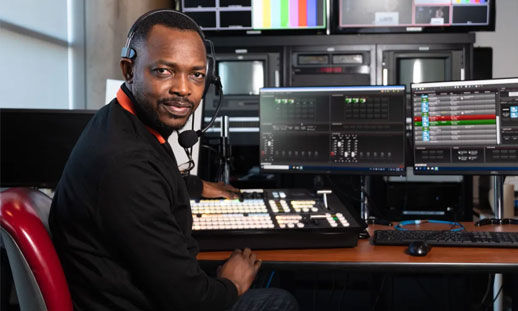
x: 169, y: 77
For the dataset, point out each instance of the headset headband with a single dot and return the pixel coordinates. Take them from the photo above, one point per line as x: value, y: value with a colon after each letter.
x: 128, y: 52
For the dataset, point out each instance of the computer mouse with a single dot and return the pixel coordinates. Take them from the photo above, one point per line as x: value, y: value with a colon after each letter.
x: 418, y: 248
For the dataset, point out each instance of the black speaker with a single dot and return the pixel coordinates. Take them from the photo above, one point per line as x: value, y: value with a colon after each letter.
x: 482, y: 63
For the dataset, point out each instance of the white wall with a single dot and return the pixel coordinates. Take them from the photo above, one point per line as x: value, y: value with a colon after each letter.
x: 41, y: 54
x: 27, y: 63
x: 504, y: 40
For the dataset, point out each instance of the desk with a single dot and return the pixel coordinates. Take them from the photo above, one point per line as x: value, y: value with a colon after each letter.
x: 370, y: 257
x: 393, y: 259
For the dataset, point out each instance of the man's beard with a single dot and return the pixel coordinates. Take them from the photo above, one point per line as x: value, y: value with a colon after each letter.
x: 148, y: 116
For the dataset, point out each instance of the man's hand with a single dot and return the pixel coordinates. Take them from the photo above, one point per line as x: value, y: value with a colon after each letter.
x: 240, y: 268
x: 219, y: 190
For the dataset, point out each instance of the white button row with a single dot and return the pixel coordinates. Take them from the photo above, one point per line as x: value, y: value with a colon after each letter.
x: 304, y: 206
x: 283, y: 208
x: 332, y: 221
x: 227, y: 202
x: 289, y: 221
x: 232, y: 221
x: 228, y: 206
x: 277, y: 195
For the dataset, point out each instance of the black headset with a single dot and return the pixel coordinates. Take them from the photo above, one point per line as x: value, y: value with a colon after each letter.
x: 188, y: 138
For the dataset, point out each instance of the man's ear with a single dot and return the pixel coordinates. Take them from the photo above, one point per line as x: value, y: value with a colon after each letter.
x: 127, y: 69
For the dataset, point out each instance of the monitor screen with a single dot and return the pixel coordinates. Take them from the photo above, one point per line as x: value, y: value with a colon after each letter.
x: 466, y: 127
x: 414, y: 15
x: 257, y: 15
x: 350, y: 130
x: 231, y: 73
x: 35, y: 144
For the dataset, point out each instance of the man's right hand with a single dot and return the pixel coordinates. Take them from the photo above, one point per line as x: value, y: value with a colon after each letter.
x: 241, y: 268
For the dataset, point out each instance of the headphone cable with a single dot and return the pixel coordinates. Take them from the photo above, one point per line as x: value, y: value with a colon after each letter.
x: 219, y: 89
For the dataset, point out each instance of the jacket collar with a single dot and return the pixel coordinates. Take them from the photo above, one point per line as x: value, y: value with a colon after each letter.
x: 125, y: 99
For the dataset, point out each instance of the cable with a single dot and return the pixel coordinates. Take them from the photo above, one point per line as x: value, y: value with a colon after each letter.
x: 454, y: 226
x: 219, y: 89
x: 218, y: 165
x: 213, y: 150
x: 490, y: 281
x: 270, y: 279
x: 498, y: 293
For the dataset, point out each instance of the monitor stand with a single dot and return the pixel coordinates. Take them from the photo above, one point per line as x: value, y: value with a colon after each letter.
x: 364, y: 197
x: 498, y: 196
x: 498, y: 205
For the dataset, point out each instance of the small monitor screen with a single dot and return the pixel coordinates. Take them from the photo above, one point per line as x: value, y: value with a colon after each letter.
x: 350, y: 130
x: 417, y: 70
x: 466, y: 127
x: 232, y: 73
x: 413, y: 15
x: 35, y: 144
x: 257, y: 15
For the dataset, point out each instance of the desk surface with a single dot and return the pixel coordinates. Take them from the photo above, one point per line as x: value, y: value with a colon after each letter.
x: 368, y: 257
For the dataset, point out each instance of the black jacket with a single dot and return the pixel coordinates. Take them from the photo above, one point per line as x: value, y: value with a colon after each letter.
x: 121, y: 223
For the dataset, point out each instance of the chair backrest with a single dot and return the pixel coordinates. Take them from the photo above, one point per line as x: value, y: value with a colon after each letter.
x: 38, y: 276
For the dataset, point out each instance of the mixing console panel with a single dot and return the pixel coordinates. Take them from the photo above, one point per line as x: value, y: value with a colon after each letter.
x: 269, y: 219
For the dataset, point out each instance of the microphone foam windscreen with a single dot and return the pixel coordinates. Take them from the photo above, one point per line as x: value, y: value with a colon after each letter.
x: 187, y: 139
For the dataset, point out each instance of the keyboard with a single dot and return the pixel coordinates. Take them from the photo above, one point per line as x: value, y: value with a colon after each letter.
x: 272, y: 219
x: 447, y: 238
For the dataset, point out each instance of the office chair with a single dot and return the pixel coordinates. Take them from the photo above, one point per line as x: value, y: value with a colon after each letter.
x: 38, y: 276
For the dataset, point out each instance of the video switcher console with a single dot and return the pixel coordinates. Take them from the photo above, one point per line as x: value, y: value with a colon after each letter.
x: 273, y: 219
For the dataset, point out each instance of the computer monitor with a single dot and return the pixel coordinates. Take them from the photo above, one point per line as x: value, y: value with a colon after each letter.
x: 376, y: 16
x: 348, y: 129
x: 466, y: 127
x: 36, y: 143
x: 256, y: 16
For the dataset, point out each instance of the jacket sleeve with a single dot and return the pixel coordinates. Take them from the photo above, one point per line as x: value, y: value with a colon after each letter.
x: 135, y: 214
x: 194, y: 186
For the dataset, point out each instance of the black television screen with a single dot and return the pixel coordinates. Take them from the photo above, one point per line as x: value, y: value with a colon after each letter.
x: 256, y: 16
x: 414, y: 15
x: 231, y: 73
x: 466, y: 127
x: 346, y: 129
x: 36, y: 143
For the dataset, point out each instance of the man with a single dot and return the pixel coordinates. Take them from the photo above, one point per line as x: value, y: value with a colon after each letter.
x: 120, y: 218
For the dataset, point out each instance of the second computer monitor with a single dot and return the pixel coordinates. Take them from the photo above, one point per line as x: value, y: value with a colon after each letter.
x: 466, y: 127
x: 349, y: 130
